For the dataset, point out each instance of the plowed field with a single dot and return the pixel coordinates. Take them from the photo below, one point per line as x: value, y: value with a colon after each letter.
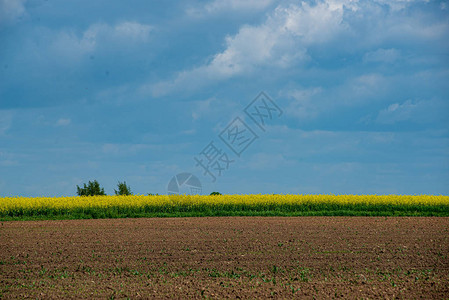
x: 221, y: 257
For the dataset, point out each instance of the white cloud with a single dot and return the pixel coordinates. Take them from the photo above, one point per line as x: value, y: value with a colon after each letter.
x: 399, y: 4
x: 218, y: 6
x: 211, y: 108
x: 304, y: 103
x: 113, y: 149
x: 8, y: 163
x: 366, y: 85
x: 6, y: 118
x: 202, y: 108
x: 132, y: 30
x: 268, y: 161
x: 296, y: 34
x: 414, y: 111
x: 126, y: 149
x: 313, y: 24
x: 382, y: 56
x: 8, y: 159
x: 69, y: 44
x: 63, y: 122
x: 419, y: 29
x: 280, y: 42
x: 311, y: 102
x: 11, y: 10
x: 316, y: 145
x: 118, y: 94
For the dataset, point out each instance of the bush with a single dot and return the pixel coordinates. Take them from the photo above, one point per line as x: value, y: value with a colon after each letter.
x: 91, y: 189
x: 215, y: 193
x: 123, y: 189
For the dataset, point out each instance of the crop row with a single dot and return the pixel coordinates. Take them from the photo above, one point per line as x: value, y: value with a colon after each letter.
x: 221, y: 205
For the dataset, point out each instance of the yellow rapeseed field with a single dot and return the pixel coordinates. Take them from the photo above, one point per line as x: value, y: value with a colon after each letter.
x: 8, y: 204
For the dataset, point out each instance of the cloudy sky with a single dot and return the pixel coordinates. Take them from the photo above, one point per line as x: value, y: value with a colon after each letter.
x: 141, y: 90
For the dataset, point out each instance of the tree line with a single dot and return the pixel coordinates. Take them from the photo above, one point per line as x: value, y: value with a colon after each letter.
x: 93, y: 188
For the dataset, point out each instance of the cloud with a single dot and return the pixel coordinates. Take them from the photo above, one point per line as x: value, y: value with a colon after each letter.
x: 366, y: 85
x: 11, y: 11
x: 128, y: 149
x: 382, y: 56
x: 268, y: 161
x: 417, y: 111
x: 132, y: 30
x: 63, y: 122
x: 69, y: 44
x: 295, y: 36
x: 219, y: 6
x: 7, y: 162
x: 319, y: 23
x: 355, y: 145
x: 211, y: 108
x: 397, y: 5
x: 251, y: 48
x: 118, y: 94
x: 280, y: 43
x: 6, y: 118
x: 304, y: 102
x: 111, y: 149
x: 309, y: 103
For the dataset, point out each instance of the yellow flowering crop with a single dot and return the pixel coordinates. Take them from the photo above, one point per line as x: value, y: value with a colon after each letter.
x: 8, y: 204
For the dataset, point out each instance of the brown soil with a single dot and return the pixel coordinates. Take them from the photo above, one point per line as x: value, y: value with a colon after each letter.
x: 226, y: 257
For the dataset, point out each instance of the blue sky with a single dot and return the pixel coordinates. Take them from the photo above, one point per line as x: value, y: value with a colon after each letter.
x: 135, y: 90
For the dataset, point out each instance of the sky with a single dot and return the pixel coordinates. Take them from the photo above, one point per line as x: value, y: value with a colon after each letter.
x: 250, y: 97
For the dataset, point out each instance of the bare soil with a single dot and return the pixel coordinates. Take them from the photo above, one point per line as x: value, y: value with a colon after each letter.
x: 226, y: 257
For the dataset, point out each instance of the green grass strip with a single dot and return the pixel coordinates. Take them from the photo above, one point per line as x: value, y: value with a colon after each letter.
x: 310, y: 209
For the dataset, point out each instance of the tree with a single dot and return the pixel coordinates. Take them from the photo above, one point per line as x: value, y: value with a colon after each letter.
x: 123, y: 189
x: 215, y: 193
x: 91, y: 189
